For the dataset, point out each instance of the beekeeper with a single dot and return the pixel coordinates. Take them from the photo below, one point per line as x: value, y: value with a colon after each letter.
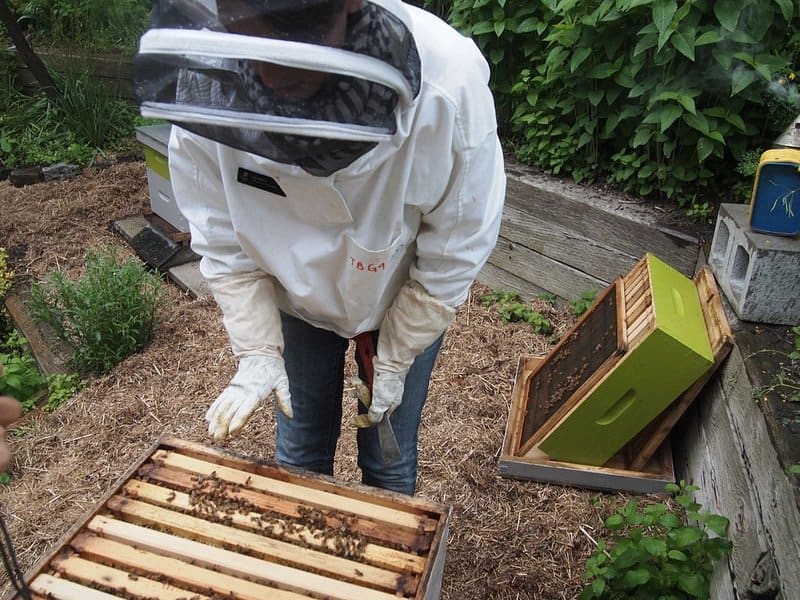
x: 339, y: 166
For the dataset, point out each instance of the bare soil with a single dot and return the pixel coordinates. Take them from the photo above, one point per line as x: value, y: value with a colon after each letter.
x: 507, y: 540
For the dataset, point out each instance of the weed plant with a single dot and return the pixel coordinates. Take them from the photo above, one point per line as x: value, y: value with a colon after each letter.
x: 581, y: 304
x: 103, y: 316
x: 658, y: 551
x: 511, y: 309
x: 60, y: 388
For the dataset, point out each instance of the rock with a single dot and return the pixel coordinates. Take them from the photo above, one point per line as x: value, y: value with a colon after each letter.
x: 25, y: 176
x: 60, y: 171
x: 4, y: 172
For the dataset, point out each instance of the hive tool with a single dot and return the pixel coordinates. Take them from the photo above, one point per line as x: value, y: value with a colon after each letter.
x: 390, y: 450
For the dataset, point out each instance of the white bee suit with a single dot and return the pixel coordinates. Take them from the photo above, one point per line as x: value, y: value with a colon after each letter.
x: 424, y: 204
x: 414, y: 214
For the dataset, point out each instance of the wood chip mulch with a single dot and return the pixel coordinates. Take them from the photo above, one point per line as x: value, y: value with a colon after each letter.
x: 507, y: 539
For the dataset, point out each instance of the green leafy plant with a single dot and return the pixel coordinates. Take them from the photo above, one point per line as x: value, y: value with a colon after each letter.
x: 666, y: 114
x: 582, y: 303
x: 103, y: 316
x: 793, y: 469
x: 19, y: 375
x: 60, y: 388
x: 511, y: 309
x: 5, y: 478
x: 658, y: 550
x: 551, y: 299
x: 701, y: 211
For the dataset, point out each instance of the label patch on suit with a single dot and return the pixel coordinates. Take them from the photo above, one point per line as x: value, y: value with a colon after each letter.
x: 260, y: 181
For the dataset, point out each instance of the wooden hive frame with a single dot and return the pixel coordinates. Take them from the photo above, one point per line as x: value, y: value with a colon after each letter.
x: 191, y: 522
x: 645, y: 463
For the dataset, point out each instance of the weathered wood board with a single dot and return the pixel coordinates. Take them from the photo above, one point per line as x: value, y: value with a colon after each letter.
x: 564, y: 245
x: 725, y: 449
x: 50, y: 354
x: 191, y: 521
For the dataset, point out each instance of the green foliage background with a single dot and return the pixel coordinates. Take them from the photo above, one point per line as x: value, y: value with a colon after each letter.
x: 655, y: 96
x: 90, y: 24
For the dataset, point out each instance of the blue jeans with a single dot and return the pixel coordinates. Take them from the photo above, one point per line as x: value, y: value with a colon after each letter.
x: 315, y: 361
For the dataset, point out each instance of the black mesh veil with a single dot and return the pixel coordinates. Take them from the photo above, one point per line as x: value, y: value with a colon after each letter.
x: 225, y: 79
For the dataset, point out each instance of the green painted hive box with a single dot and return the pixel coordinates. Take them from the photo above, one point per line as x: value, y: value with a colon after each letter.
x: 665, y: 348
x: 154, y: 140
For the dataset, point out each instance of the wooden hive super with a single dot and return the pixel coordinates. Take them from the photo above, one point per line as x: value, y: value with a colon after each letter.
x: 597, y: 410
x: 189, y: 522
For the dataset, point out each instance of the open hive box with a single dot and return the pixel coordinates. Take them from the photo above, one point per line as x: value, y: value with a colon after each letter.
x: 597, y: 411
x: 190, y: 522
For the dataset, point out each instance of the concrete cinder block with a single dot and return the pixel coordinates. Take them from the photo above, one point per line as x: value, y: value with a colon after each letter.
x: 758, y: 273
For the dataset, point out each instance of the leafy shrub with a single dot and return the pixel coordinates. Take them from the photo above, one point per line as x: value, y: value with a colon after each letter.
x: 658, y: 552
x: 702, y: 83
x: 103, y: 316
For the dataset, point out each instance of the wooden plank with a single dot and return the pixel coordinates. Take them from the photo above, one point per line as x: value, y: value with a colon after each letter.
x: 749, y: 487
x: 328, y: 500
x: 291, y: 508
x: 55, y: 588
x: 227, y: 561
x: 50, y: 354
x: 396, y: 501
x: 178, y: 571
x: 638, y: 307
x: 642, y: 327
x: 603, y: 478
x: 557, y: 278
x: 278, y: 527
x: 622, y: 308
x: 644, y: 445
x: 498, y: 278
x: 217, y: 534
x: 717, y: 468
x: 610, y: 238
x: 100, y: 576
x: 554, y: 237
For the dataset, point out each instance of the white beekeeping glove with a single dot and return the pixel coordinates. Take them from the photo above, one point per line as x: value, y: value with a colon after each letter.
x: 253, y: 323
x: 413, y: 322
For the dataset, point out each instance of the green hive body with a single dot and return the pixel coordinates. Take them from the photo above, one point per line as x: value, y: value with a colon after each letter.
x: 650, y: 376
